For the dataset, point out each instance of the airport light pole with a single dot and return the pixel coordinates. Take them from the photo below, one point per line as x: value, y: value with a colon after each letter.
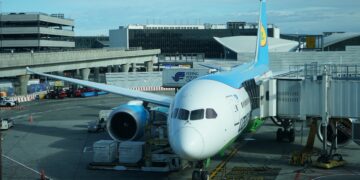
x: 325, y: 116
x: 1, y: 156
x: 1, y: 38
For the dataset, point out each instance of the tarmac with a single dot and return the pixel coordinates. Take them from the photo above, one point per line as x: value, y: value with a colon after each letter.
x: 50, y: 136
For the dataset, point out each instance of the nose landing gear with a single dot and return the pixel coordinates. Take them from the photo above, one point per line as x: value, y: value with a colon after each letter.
x: 201, y: 173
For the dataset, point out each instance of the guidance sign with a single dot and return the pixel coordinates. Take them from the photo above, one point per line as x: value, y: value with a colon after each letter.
x: 179, y: 77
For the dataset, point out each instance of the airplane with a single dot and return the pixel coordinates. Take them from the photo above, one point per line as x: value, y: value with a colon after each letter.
x: 205, y: 116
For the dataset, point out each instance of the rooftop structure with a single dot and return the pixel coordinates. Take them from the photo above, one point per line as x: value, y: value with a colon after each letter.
x: 228, y: 25
x: 172, y: 39
x: 339, y: 41
x: 35, y: 32
x: 328, y: 41
x: 240, y: 44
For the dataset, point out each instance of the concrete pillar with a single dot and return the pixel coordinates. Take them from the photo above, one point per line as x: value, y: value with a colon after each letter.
x: 116, y: 68
x: 125, y: 68
x: 85, y: 74
x: 109, y: 69
x: 133, y: 67
x: 21, y: 85
x: 149, y: 65
x: 97, y: 74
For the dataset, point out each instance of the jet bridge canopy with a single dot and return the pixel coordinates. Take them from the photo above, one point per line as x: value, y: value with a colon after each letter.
x: 300, y: 94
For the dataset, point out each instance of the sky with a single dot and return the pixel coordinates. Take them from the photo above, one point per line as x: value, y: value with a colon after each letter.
x: 96, y: 17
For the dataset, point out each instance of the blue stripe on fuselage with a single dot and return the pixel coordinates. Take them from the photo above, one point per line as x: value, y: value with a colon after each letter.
x: 237, y: 76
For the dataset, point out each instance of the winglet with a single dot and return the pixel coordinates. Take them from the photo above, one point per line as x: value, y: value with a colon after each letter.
x: 262, y: 50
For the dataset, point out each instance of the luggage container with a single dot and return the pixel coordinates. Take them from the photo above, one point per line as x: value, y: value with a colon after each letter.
x: 105, y: 151
x: 130, y: 151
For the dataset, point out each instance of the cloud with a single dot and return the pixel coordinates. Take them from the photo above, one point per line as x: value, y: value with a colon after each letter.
x: 92, y: 16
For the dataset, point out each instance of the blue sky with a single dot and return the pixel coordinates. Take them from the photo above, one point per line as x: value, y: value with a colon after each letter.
x: 95, y: 17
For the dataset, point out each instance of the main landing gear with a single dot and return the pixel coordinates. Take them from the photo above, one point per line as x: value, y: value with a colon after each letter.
x: 201, y: 173
x: 286, y: 131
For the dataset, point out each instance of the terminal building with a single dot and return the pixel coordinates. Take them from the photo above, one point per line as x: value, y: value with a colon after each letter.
x: 35, y: 32
x: 91, y: 42
x: 339, y: 40
x: 174, y: 39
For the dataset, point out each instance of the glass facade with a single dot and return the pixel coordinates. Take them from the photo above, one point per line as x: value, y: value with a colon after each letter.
x: 186, y: 40
x: 89, y: 42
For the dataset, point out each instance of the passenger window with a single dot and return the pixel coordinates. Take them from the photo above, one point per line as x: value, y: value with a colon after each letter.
x: 197, y: 114
x: 183, y: 114
x: 174, y: 113
x: 210, y: 113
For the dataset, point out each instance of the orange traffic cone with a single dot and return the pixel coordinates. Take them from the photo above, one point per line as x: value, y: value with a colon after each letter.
x: 30, y: 118
x: 42, y: 175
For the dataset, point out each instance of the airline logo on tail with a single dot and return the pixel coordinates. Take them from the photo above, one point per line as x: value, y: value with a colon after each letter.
x: 261, y: 57
x: 263, y: 36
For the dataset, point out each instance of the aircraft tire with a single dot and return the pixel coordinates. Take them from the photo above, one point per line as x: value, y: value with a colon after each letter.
x: 196, y: 175
x: 205, y: 175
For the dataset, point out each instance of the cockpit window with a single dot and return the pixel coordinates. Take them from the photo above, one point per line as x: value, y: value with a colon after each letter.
x: 183, y: 114
x: 174, y: 113
x: 210, y: 113
x: 197, y: 114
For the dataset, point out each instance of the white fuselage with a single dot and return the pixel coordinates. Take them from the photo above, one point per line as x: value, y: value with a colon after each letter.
x: 205, y: 116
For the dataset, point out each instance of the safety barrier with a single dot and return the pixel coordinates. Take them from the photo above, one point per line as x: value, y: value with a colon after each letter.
x: 26, y: 98
x: 153, y: 88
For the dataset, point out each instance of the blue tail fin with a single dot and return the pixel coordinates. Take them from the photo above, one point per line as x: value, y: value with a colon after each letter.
x: 262, y: 50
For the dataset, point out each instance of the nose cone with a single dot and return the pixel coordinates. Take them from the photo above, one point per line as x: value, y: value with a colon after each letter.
x: 188, y: 143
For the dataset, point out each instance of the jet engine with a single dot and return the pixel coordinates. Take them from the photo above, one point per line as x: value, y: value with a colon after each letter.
x: 127, y: 122
x: 344, y: 131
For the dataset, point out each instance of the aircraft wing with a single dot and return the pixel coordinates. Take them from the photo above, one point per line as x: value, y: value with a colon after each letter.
x: 241, y: 67
x: 218, y: 68
x: 144, y: 96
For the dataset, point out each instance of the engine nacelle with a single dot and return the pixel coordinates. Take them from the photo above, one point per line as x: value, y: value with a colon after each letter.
x: 344, y: 131
x: 127, y: 122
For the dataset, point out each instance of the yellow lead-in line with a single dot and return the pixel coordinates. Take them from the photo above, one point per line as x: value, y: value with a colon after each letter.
x: 222, y: 164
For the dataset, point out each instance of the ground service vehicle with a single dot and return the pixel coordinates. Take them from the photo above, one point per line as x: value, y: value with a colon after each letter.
x: 5, y: 101
x: 56, y: 94
x: 6, y: 123
x: 96, y: 126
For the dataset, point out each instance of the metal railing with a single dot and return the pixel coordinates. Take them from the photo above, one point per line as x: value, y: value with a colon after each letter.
x: 336, y: 71
x: 181, y: 57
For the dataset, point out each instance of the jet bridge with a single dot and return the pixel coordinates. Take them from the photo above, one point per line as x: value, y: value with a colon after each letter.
x: 300, y: 94
x: 312, y: 91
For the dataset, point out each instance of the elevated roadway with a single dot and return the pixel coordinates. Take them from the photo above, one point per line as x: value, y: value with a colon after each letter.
x: 14, y: 64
